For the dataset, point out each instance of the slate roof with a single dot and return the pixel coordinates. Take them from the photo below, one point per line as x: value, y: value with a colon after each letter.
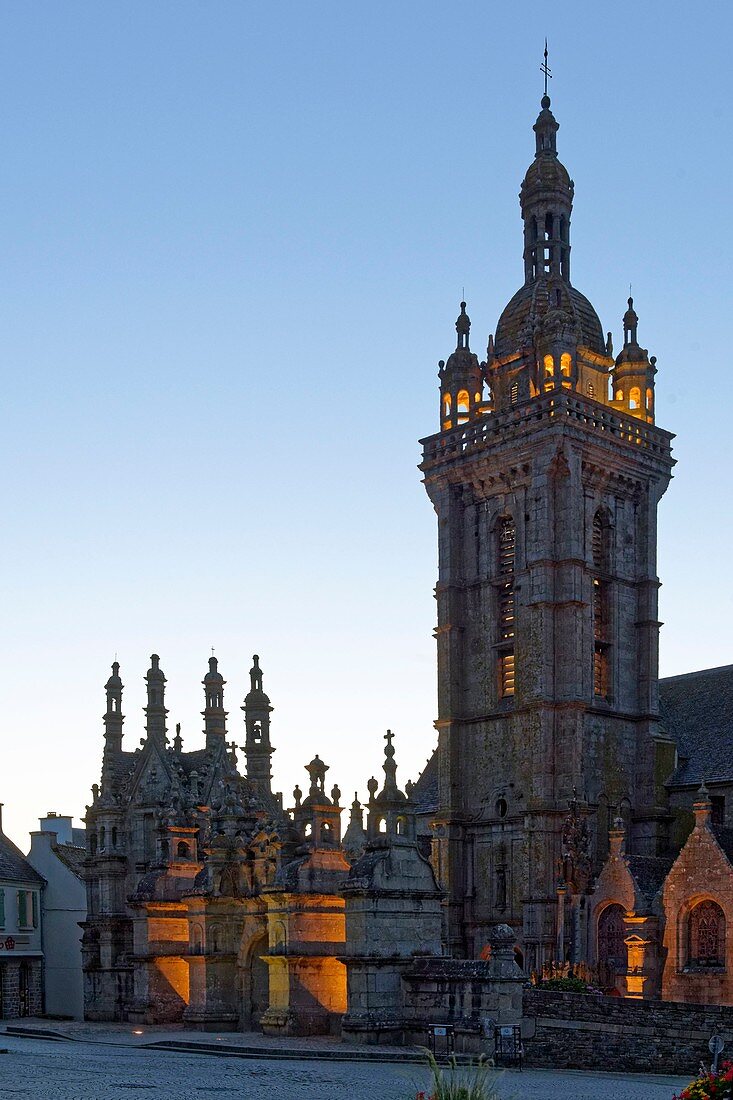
x: 649, y: 873
x: 14, y: 867
x: 72, y: 856
x: 425, y: 791
x: 724, y: 838
x: 697, y: 710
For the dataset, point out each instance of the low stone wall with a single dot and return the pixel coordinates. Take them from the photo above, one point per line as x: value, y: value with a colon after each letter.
x: 471, y: 995
x: 586, y: 1031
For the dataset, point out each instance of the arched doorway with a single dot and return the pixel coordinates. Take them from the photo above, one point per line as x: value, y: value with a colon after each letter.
x: 24, y: 986
x: 612, y: 950
x: 256, y: 985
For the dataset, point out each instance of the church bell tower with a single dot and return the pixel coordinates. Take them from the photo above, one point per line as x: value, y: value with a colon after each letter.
x: 545, y: 476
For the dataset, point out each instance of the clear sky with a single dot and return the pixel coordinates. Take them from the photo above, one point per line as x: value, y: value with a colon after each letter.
x: 233, y: 240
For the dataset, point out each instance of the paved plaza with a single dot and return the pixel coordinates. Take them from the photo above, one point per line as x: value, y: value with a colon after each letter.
x: 46, y: 1070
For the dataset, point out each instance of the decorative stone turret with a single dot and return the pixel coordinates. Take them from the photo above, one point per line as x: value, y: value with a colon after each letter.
x: 155, y: 711
x: 461, y: 381
x: 391, y: 812
x: 634, y: 372
x: 355, y: 836
x: 393, y: 913
x: 214, y: 715
x: 305, y: 916
x: 257, y: 748
x: 113, y: 717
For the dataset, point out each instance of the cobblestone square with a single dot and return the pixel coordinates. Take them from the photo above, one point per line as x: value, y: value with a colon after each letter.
x: 47, y: 1070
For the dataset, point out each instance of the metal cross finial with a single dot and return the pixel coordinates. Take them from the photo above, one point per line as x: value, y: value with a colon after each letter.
x: 544, y: 68
x: 212, y: 651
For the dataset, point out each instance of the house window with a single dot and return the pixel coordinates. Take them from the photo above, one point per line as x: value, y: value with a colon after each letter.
x: 706, y: 936
x: 27, y: 909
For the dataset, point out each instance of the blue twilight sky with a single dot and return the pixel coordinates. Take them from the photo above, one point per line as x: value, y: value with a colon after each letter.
x: 233, y: 239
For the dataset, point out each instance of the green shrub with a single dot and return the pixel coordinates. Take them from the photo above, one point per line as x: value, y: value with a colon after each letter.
x: 565, y: 985
x: 473, y: 1082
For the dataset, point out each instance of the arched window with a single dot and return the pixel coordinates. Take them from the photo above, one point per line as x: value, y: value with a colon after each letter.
x: 114, y: 836
x: 634, y: 397
x: 566, y: 362
x: 446, y: 405
x: 102, y: 838
x: 182, y: 850
x: 549, y: 364
x: 619, y: 395
x: 462, y: 401
x: 649, y: 401
x: 612, y: 950
x: 326, y: 835
x: 706, y: 936
x: 401, y: 826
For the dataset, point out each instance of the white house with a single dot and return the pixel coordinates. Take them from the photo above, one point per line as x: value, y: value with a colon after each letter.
x: 57, y: 853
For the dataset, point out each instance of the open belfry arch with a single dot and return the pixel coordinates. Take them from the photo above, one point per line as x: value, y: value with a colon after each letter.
x: 545, y: 477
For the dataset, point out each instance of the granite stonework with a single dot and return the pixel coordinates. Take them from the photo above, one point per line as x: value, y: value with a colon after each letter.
x: 588, y: 1031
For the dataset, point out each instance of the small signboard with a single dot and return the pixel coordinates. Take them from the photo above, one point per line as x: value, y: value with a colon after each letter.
x: 508, y: 1048
x: 442, y: 1036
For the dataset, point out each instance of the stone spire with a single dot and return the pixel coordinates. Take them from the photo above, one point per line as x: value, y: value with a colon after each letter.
x: 257, y: 747
x: 631, y: 323
x: 546, y: 199
x: 155, y: 711
x: 113, y: 717
x: 214, y: 715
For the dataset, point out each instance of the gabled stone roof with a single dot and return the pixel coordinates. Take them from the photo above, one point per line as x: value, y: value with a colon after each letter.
x: 697, y: 710
x: 14, y: 867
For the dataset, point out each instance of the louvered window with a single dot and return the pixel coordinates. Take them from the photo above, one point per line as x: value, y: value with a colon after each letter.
x: 506, y: 548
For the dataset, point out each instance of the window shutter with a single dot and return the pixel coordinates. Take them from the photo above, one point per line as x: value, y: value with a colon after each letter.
x: 34, y: 902
x: 22, y: 909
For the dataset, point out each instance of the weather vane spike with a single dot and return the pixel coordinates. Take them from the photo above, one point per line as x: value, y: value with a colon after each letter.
x: 544, y: 68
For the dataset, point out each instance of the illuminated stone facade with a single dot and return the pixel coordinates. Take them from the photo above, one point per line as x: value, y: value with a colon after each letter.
x: 209, y: 903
